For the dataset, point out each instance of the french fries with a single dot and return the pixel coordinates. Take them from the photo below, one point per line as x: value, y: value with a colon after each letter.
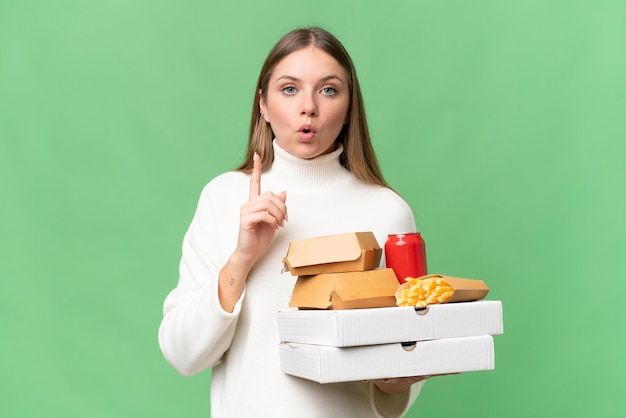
x: 423, y: 292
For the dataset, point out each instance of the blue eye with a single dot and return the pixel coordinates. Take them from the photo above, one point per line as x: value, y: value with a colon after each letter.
x: 289, y: 90
x: 329, y: 91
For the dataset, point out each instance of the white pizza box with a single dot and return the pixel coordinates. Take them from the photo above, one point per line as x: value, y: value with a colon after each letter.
x: 354, y: 327
x: 326, y: 364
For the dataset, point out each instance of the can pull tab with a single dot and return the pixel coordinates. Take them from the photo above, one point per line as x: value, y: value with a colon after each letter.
x: 401, y: 240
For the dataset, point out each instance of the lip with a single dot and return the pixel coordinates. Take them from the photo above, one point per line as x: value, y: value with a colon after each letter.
x: 306, y: 132
x: 306, y: 128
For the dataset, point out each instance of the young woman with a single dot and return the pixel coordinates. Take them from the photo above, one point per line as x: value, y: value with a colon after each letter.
x: 310, y: 170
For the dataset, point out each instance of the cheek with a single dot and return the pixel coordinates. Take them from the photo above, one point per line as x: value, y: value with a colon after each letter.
x: 278, y: 109
x: 341, y: 115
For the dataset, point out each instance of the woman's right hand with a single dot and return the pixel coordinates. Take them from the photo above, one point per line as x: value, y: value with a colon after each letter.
x: 260, y: 217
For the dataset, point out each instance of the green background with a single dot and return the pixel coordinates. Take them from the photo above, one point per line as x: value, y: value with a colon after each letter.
x: 502, y: 123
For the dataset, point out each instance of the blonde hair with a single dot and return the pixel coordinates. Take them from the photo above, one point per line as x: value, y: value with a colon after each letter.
x: 358, y: 155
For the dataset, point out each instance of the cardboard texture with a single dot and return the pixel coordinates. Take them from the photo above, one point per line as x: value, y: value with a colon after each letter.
x: 353, y: 290
x: 465, y: 290
x: 326, y: 364
x: 353, y: 327
x: 357, y: 251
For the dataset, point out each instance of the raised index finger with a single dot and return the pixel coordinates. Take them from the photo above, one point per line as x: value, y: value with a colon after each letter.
x: 255, y: 179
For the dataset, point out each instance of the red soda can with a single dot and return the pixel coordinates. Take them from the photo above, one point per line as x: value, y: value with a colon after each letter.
x: 406, y: 255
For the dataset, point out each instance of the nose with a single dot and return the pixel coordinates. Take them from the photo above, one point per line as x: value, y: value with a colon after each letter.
x: 309, y: 105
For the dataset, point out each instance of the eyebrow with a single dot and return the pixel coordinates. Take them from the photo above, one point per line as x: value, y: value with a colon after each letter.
x: 323, y: 79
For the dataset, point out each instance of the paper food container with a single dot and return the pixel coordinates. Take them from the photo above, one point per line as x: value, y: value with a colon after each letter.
x: 326, y: 364
x: 465, y: 290
x: 353, y: 327
x: 357, y: 251
x: 353, y: 290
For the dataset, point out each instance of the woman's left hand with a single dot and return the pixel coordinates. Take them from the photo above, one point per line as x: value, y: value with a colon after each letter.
x: 398, y: 385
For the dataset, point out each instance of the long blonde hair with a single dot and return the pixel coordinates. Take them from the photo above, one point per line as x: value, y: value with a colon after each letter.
x: 358, y: 155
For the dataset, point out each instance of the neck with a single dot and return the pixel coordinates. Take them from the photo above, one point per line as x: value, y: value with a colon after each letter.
x: 315, y: 172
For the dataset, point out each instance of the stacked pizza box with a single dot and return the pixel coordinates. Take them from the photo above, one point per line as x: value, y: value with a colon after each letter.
x: 343, y: 323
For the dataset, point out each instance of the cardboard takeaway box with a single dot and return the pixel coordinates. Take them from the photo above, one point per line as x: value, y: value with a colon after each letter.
x: 352, y: 290
x: 353, y: 327
x: 350, y: 252
x: 325, y: 364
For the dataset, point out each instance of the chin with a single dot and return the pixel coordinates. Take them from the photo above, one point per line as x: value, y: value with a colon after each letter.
x: 305, y: 151
x: 307, y: 155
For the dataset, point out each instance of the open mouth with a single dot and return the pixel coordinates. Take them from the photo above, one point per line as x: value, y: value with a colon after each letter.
x: 306, y: 132
x: 306, y: 129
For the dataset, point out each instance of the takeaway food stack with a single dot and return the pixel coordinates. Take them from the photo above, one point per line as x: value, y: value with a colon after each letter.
x: 344, y: 323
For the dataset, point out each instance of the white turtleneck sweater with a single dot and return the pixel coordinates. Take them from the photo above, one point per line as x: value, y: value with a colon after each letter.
x: 241, y: 347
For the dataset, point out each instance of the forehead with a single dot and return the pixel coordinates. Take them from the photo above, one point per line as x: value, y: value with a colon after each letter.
x: 309, y: 63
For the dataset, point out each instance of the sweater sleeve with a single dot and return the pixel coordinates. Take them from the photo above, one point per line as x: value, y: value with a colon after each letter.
x: 195, y: 331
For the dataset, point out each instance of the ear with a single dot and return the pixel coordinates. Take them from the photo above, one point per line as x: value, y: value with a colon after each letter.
x: 263, y: 107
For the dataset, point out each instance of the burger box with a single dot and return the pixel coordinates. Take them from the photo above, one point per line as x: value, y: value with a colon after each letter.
x: 350, y: 252
x: 355, y: 327
x: 351, y: 290
x: 326, y: 364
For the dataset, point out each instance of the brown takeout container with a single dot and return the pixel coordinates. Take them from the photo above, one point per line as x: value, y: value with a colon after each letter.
x: 465, y: 290
x: 352, y: 290
x: 350, y: 252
